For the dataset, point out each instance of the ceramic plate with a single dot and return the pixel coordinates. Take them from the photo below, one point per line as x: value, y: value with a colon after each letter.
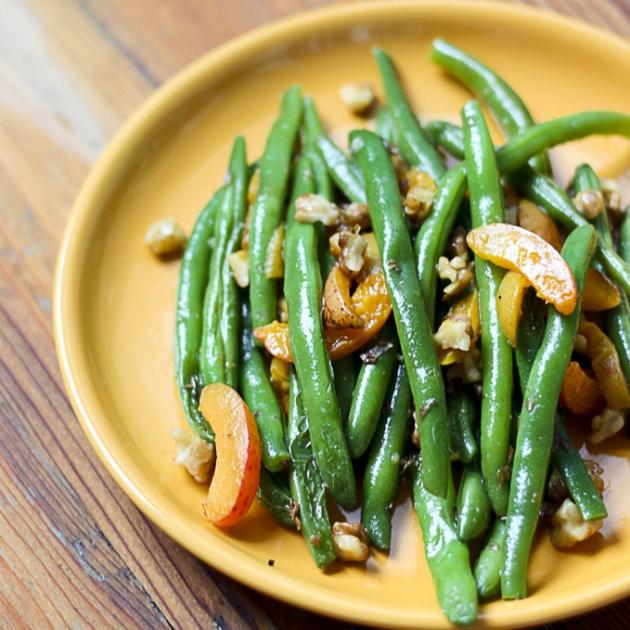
x: 114, y: 303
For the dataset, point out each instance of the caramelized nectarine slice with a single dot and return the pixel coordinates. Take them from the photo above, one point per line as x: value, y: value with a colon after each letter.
x: 510, y: 302
x: 517, y: 249
x: 600, y: 293
x: 237, y: 469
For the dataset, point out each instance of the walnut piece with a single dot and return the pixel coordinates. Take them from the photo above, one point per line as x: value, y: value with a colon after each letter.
x: 454, y: 333
x: 350, y: 541
x: 310, y: 208
x: 420, y: 187
x: 589, y: 202
x: 458, y: 271
x: 195, y: 454
x: 357, y: 97
x: 349, y: 249
x: 606, y: 424
x: 165, y: 237
x: 568, y: 526
x: 239, y: 264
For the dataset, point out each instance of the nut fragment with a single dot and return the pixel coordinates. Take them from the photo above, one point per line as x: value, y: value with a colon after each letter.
x: 239, y: 264
x: 457, y: 271
x: 468, y: 370
x: 349, y: 248
x: 595, y: 472
x: 355, y: 214
x: 420, y: 191
x: 454, y: 333
x: 357, y: 97
x: 612, y: 195
x: 350, y: 541
x: 589, y: 202
x: 195, y: 454
x: 606, y: 424
x: 568, y: 526
x: 310, y: 208
x: 165, y: 237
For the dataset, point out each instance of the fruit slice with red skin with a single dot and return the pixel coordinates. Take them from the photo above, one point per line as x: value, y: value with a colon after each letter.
x: 237, y: 444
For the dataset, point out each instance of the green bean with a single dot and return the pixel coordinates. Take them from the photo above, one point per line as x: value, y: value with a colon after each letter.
x: 536, y: 425
x: 447, y: 557
x: 448, y: 136
x: 340, y: 168
x: 412, y: 323
x: 369, y: 392
x: 345, y: 379
x: 307, y: 487
x: 462, y: 418
x: 435, y: 230
x: 211, y: 353
x: 574, y: 473
x: 490, y: 561
x: 382, y: 470
x: 275, y: 498
x: 385, y: 126
x: 564, y: 455
x: 505, y: 104
x: 261, y: 399
x: 414, y: 145
x: 617, y: 319
x: 303, y: 292
x: 529, y: 142
x: 487, y: 207
x: 473, y: 505
x: 267, y: 211
x: 624, y: 238
x: 230, y: 307
x: 193, y: 278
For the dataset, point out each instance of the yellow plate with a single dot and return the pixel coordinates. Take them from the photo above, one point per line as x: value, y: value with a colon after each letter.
x: 114, y: 302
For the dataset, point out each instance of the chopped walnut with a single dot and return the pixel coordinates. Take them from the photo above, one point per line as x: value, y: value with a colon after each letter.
x: 568, y: 526
x: 350, y: 541
x: 357, y: 97
x: 458, y: 271
x: 595, y: 472
x: 355, y: 214
x: 310, y: 208
x: 349, y: 248
x: 457, y: 243
x: 195, y: 454
x: 454, y: 333
x: 589, y: 202
x: 612, y: 195
x: 606, y: 424
x: 420, y: 190
x: 580, y: 345
x: 469, y: 370
x: 165, y: 237
x: 239, y: 264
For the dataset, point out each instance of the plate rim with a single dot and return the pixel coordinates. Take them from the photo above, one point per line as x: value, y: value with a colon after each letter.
x: 67, y: 280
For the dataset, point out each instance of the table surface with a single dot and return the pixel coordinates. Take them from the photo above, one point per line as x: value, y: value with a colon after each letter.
x: 74, y: 551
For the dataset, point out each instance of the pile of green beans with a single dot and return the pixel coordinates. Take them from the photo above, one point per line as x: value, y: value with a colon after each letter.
x: 477, y: 443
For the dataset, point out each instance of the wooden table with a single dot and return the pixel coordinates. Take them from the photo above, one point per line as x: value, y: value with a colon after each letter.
x: 74, y: 551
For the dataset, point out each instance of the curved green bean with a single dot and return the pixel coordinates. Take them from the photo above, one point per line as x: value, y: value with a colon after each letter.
x: 530, y: 142
x: 446, y: 555
x: 307, y: 486
x: 490, y: 561
x: 448, y: 136
x: 368, y: 395
x: 536, y: 426
x: 193, y: 278
x: 496, y: 407
x: 340, y: 168
x: 506, y: 105
x: 275, y: 498
x: 303, y: 291
x: 230, y: 304
x: 462, y: 418
x: 382, y: 470
x: 435, y: 230
x: 414, y: 145
x: 261, y: 399
x: 412, y: 323
x: 269, y: 204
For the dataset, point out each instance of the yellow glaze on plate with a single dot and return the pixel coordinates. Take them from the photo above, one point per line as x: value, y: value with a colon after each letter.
x: 114, y: 303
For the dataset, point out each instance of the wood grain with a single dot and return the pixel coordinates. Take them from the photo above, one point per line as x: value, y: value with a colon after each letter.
x: 74, y: 551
